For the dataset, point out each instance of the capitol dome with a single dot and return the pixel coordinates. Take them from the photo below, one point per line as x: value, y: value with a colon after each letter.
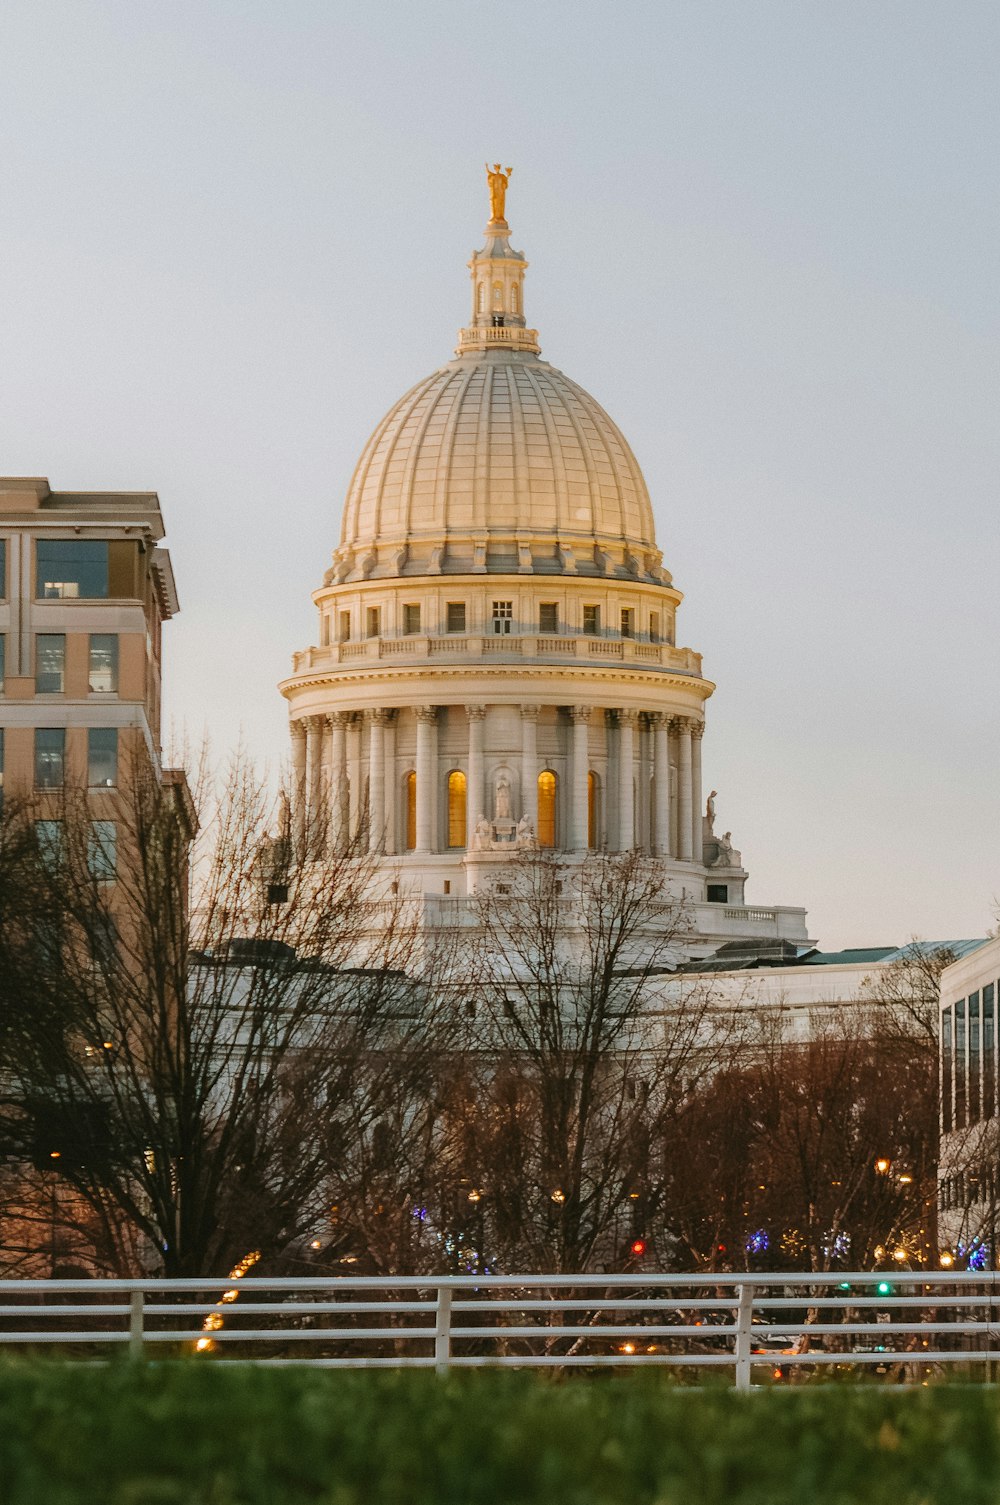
x: 497, y: 462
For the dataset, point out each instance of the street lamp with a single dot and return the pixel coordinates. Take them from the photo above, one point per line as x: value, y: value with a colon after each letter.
x: 883, y: 1165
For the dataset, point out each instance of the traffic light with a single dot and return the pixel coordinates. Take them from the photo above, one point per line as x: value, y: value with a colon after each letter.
x: 885, y: 1288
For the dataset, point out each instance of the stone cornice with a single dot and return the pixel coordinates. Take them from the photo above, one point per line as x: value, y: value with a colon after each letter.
x: 559, y: 680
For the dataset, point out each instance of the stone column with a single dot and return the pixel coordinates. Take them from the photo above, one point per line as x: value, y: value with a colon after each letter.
x: 298, y: 735
x: 643, y: 816
x: 338, y: 781
x: 581, y: 767
x: 529, y: 764
x: 697, y: 732
x: 661, y: 782
x: 314, y: 779
x: 426, y: 774
x: 626, y: 780
x: 376, y: 780
x: 391, y: 783
x: 685, y: 823
x: 475, y: 794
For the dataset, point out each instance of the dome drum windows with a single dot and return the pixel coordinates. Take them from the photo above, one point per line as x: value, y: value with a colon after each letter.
x: 548, y: 786
x: 503, y: 618
x: 457, y: 828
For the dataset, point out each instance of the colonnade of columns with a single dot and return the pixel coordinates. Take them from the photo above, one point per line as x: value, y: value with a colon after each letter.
x: 640, y: 750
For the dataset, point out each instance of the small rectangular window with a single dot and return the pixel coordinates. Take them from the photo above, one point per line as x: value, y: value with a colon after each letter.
x: 50, y: 757
x: 344, y: 630
x: 49, y: 838
x: 50, y: 663
x: 654, y: 626
x: 102, y: 850
x: 68, y: 568
x: 628, y: 621
x: 456, y: 616
x: 718, y: 893
x: 103, y: 671
x: 373, y: 620
x: 548, y: 617
x: 592, y: 620
x: 503, y: 616
x: 102, y: 757
x: 411, y: 617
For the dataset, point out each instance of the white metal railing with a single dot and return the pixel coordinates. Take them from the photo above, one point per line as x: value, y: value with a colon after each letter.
x: 735, y: 1322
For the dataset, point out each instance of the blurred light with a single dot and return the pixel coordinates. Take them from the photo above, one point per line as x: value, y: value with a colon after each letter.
x: 905, y: 1180
x: 883, y: 1166
x: 628, y: 1348
x: 55, y: 1154
x: 474, y: 1195
x: 317, y: 1243
x: 899, y: 1254
x: 880, y: 1251
x: 884, y: 1288
x: 202, y: 1344
x: 947, y: 1259
x: 638, y: 1247
x: 558, y: 1195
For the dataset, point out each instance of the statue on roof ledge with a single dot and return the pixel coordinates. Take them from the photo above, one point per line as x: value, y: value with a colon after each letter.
x: 498, y: 180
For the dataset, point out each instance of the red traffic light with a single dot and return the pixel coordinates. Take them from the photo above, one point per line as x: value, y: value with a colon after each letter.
x: 637, y: 1248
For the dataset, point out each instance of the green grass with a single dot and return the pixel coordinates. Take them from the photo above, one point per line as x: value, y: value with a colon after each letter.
x: 216, y: 1434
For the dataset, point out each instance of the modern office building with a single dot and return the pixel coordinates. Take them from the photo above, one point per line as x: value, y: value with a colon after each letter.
x: 85, y: 587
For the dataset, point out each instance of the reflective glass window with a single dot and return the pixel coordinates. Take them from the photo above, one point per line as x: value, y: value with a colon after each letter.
x: 71, y: 567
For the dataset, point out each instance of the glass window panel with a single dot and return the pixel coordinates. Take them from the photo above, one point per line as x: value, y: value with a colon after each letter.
x: 456, y: 616
x: 548, y: 617
x: 50, y: 663
x: 102, y: 850
x: 49, y: 836
x: 71, y: 567
x: 102, y: 757
x: 974, y: 1058
x: 961, y: 1065
x: 50, y: 757
x: 546, y: 808
x: 592, y: 619
x: 456, y: 809
x: 411, y: 617
x: 628, y: 620
x: 104, y: 663
x: 946, y: 1071
x: 503, y: 616
x: 988, y: 1052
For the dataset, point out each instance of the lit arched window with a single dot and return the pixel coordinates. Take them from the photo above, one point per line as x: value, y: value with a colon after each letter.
x: 592, y: 790
x: 513, y: 299
x: 456, y: 808
x: 498, y: 296
x: 481, y: 298
x: 547, y: 808
x: 411, y: 811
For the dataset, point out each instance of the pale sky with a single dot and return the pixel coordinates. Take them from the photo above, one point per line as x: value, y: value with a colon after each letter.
x: 764, y: 236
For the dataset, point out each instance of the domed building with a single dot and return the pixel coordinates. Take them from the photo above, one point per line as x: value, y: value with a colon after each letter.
x: 497, y: 667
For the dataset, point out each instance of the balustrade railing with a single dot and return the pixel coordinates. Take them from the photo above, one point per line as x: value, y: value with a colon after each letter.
x: 904, y: 1323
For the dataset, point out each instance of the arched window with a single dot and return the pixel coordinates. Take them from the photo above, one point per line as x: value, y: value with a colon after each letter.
x: 513, y: 298
x: 456, y: 808
x: 481, y: 298
x: 411, y: 811
x: 592, y: 818
x: 498, y: 296
x: 546, y: 808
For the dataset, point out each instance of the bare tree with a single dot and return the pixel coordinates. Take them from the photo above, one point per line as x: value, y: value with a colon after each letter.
x: 185, y: 1017
x: 559, y: 1125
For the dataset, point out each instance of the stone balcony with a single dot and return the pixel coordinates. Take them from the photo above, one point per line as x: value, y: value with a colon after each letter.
x: 470, y: 648
x: 507, y: 337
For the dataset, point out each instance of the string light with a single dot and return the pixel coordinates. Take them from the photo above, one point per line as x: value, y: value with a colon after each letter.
x: 214, y: 1320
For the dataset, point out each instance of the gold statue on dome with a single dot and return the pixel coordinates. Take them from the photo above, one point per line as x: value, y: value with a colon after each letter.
x: 498, y: 180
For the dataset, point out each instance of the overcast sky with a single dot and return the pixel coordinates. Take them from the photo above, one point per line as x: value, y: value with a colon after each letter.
x: 764, y: 236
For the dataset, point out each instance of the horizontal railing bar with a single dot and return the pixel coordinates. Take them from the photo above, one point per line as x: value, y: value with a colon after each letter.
x: 647, y: 1303
x: 803, y: 1330
x: 540, y: 1360
x: 292, y: 1334
x: 734, y: 1280
x: 634, y: 1331
x: 81, y: 1309
x: 871, y: 1356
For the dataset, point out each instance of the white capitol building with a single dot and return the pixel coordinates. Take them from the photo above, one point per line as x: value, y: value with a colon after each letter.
x: 497, y: 665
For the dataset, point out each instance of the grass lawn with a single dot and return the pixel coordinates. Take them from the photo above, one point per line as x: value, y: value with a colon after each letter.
x: 219, y: 1434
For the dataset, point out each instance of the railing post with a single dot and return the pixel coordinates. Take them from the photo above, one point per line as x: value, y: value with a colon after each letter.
x: 442, y: 1330
x: 135, y: 1305
x: 744, y: 1335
